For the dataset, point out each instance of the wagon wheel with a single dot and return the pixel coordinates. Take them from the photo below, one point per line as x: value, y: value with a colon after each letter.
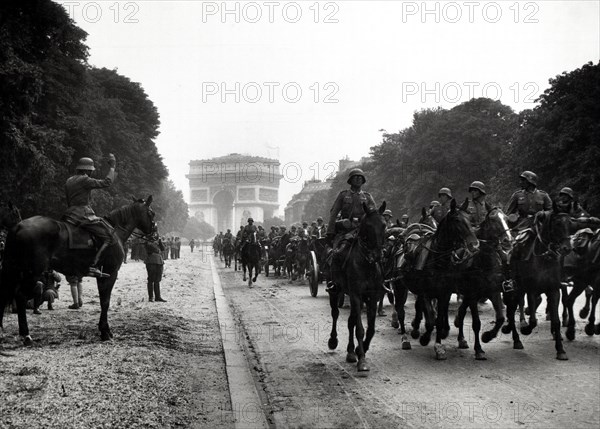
x: 313, y: 274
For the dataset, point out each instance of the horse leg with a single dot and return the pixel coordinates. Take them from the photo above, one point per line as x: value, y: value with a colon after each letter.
x: 335, y: 312
x: 244, y: 270
x: 256, y: 270
x: 105, y: 287
x: 512, y: 303
x: 532, y: 301
x: 429, y: 322
x: 578, y: 287
x: 250, y: 267
x: 440, y: 332
x: 583, y: 313
x: 459, y: 323
x: 22, y: 317
x: 400, y: 297
x: 380, y: 310
x: 351, y: 356
x: 360, y: 332
x: 590, y: 329
x: 371, y: 308
x: 416, y: 322
x: 553, y: 297
x: 564, y: 296
x: 496, y: 300
x: 479, y: 353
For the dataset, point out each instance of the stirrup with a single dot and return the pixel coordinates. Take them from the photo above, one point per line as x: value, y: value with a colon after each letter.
x: 95, y: 272
x: 508, y: 286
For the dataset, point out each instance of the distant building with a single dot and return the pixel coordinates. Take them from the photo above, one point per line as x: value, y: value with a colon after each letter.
x: 227, y: 190
x: 295, y: 208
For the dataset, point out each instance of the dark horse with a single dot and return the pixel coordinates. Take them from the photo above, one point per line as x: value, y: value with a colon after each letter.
x: 453, y: 243
x: 362, y: 280
x: 228, y: 251
x: 483, y: 279
x: 541, y: 273
x: 39, y: 244
x: 251, y: 253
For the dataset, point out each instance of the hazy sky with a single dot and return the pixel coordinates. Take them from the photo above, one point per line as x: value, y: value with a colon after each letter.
x: 264, y: 78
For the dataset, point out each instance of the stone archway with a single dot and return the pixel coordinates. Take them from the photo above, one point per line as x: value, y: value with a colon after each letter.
x: 223, y: 202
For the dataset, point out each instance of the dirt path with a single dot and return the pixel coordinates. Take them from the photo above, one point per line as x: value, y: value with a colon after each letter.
x: 311, y: 386
x: 164, y: 367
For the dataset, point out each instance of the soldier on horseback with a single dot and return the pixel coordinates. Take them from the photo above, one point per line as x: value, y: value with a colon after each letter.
x: 526, y: 202
x: 248, y: 234
x: 438, y: 212
x: 349, y: 204
x: 78, y: 189
x: 567, y: 204
x: 477, y: 205
x: 387, y: 215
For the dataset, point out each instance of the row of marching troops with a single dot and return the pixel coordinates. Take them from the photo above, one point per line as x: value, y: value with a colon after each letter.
x: 171, y: 246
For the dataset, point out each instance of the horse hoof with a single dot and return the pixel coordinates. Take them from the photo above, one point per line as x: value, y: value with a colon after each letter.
x: 362, y: 365
x: 583, y: 313
x: 406, y: 345
x: 487, y: 336
x: 506, y: 329
x: 27, y: 341
x: 570, y: 334
x: 444, y: 333
x: 526, y: 330
x: 395, y: 322
x: 597, y: 329
x: 415, y: 334
x: 462, y: 344
x: 561, y: 356
x: 351, y: 357
x: 589, y: 329
x: 332, y: 343
x: 480, y: 356
x: 105, y: 336
x: 424, y: 340
x: 518, y: 345
x: 440, y: 352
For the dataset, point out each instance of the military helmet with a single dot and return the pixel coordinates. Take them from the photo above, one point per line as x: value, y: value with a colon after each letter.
x: 250, y: 219
x: 434, y: 203
x: 304, y: 223
x: 319, y: 219
x: 445, y: 191
x: 356, y: 172
x: 282, y: 227
x: 404, y: 216
x: 387, y: 212
x: 530, y: 176
x: 85, y: 164
x: 567, y: 191
x: 477, y: 186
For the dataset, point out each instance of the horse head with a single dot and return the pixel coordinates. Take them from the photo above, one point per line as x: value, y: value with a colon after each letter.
x: 495, y: 227
x: 553, y: 230
x: 138, y: 215
x: 454, y: 231
x: 9, y: 215
x: 371, y: 231
x: 427, y: 218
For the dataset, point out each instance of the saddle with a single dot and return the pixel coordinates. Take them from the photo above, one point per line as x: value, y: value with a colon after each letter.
x: 79, y: 238
x: 524, y: 243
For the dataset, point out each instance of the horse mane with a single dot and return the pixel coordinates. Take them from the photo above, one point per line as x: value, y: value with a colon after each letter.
x: 120, y: 215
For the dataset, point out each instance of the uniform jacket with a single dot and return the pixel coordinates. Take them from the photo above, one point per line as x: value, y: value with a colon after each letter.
x: 154, y: 255
x: 350, y: 205
x: 527, y: 203
x: 477, y: 211
x: 248, y: 232
x: 78, y: 190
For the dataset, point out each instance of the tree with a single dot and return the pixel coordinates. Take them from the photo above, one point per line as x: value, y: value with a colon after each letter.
x: 272, y: 221
x: 171, y: 209
x: 317, y: 205
x: 198, y: 229
x: 558, y: 139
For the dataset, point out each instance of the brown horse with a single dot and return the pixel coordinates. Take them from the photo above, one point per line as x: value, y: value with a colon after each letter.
x: 39, y: 244
x: 541, y: 273
x: 362, y: 280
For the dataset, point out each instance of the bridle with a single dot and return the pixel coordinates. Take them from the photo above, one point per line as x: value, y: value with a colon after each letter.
x: 552, y: 249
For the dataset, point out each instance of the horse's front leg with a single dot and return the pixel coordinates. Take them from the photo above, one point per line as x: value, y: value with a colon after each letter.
x: 428, y: 311
x: 496, y: 300
x: 564, y: 296
x: 105, y: 287
x: 591, y: 328
x: 578, y: 287
x: 244, y: 270
x: 440, y: 327
x: 459, y: 323
x: 353, y: 319
x: 371, y: 316
x: 532, y: 303
x: 335, y: 312
x: 479, y: 353
x: 553, y: 296
x: 21, y: 302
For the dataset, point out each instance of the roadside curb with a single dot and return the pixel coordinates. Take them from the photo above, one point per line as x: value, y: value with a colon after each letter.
x: 246, y: 405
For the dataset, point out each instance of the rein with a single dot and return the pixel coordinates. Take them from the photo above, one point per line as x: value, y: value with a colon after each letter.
x: 552, y: 251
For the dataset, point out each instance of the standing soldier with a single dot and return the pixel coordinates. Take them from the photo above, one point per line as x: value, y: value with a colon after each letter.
x: 477, y: 206
x: 445, y: 196
x: 192, y: 244
x: 349, y: 205
x: 78, y: 189
x: 154, y: 268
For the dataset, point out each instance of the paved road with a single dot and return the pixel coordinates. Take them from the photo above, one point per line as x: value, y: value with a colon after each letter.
x: 285, y: 333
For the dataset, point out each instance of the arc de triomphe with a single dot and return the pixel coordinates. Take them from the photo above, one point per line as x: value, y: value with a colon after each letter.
x: 227, y: 190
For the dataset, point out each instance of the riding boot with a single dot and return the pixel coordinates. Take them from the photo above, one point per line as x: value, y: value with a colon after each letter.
x: 93, y: 270
x: 157, y: 293
x: 150, y: 291
x: 75, y: 295
x: 80, y: 294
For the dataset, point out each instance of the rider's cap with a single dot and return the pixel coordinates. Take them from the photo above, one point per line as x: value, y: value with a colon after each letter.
x: 478, y: 186
x: 404, y: 216
x: 319, y: 219
x: 567, y: 191
x: 250, y: 219
x: 434, y: 204
x: 445, y: 191
x: 530, y: 176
